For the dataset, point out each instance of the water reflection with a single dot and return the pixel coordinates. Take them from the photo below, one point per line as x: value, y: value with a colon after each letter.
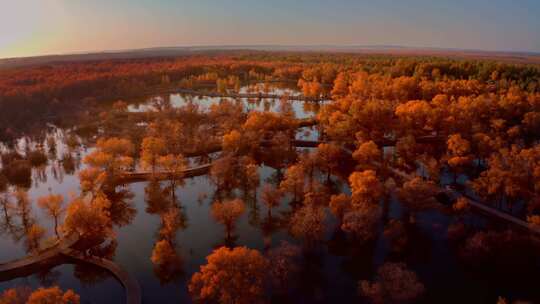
x: 164, y: 231
x: 174, y: 249
x: 299, y: 109
x: 105, y: 290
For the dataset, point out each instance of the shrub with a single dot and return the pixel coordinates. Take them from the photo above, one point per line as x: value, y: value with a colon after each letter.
x: 18, y: 172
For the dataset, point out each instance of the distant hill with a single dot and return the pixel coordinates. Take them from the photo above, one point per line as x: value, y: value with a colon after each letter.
x: 514, y: 57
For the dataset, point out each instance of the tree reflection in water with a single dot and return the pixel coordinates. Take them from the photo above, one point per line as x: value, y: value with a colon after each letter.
x: 166, y: 258
x: 122, y: 211
x: 89, y: 274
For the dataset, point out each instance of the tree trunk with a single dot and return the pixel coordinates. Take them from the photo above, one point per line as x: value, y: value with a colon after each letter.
x: 173, y: 188
x: 6, y: 215
x: 386, y: 209
x: 56, y: 227
x: 328, y: 173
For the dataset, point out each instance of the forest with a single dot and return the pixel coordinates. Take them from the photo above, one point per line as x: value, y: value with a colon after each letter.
x: 313, y: 177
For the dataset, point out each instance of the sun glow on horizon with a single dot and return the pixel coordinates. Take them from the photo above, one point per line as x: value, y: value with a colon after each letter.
x: 29, y: 26
x: 38, y: 27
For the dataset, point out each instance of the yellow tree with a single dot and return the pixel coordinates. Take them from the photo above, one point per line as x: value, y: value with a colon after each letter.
x: 534, y: 219
x: 89, y: 219
x: 307, y: 223
x: 231, y: 276
x: 221, y: 85
x: 366, y: 154
x: 512, y: 174
x: 53, y: 295
x: 394, y: 283
x: 417, y: 194
x: 227, y: 213
x: 415, y: 116
x: 285, y: 266
x: 328, y: 158
x: 222, y: 173
x: 317, y: 196
x: 293, y: 182
x: 7, y: 212
x: 162, y: 252
x: 248, y: 174
x: 233, y: 142
x: 24, y: 208
x: 168, y: 264
x: 531, y: 124
x: 311, y: 89
x: 406, y: 149
x: 151, y: 149
x: 171, y: 221
x: 366, y: 188
x: 53, y: 206
x: 459, y: 149
x: 111, y: 155
x: 271, y: 197
x: 339, y: 205
x: 341, y: 86
x: 156, y: 198
x: 361, y: 222
x: 482, y: 146
x: 174, y: 165
x: 34, y: 235
x: 309, y: 162
x: 15, y: 295
x: 491, y: 183
x: 92, y: 179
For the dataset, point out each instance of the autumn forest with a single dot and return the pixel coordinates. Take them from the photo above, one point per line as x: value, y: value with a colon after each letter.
x: 270, y: 177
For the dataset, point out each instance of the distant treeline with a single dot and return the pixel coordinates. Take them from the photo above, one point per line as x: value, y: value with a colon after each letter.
x: 49, y: 87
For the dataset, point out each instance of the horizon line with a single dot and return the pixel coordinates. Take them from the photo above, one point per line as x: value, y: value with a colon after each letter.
x: 261, y: 47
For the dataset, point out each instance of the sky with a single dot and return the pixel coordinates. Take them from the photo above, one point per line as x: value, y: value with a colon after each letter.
x: 38, y: 27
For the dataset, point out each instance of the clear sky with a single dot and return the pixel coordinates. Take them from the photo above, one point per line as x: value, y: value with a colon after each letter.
x: 35, y: 27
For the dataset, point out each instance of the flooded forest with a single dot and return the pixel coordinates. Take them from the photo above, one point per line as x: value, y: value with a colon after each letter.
x: 270, y: 177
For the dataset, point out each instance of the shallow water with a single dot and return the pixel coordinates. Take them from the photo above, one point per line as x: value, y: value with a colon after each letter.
x: 105, y: 290
x: 301, y: 109
x: 330, y: 273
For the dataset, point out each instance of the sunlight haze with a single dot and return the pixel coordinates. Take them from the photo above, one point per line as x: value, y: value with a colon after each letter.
x: 36, y: 27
